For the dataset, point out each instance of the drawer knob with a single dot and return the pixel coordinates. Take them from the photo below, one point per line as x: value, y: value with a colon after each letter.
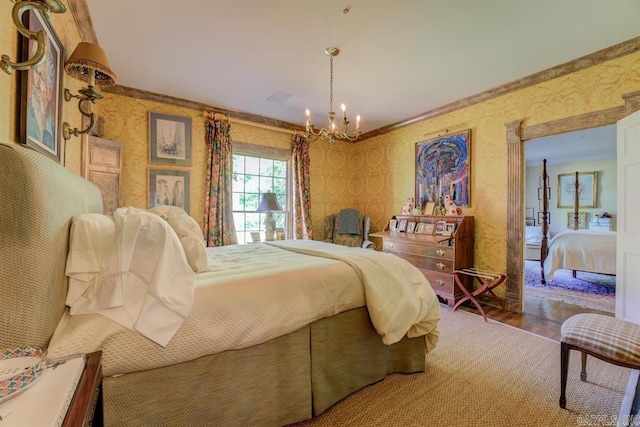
x: 440, y: 266
x: 440, y: 282
x: 440, y: 252
x: 389, y: 245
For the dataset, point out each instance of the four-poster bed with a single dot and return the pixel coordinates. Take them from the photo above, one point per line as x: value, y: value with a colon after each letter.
x: 577, y: 250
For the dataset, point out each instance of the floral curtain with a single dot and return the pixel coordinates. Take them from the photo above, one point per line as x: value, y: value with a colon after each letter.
x: 301, y: 184
x: 219, y: 229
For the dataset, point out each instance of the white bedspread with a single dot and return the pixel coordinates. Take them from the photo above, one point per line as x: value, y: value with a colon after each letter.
x: 254, y: 293
x: 583, y: 250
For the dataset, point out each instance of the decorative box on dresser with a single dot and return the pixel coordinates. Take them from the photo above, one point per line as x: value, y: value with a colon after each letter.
x: 435, y: 255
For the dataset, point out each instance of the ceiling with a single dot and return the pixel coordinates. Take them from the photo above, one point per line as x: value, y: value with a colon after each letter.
x: 590, y: 144
x: 398, y: 58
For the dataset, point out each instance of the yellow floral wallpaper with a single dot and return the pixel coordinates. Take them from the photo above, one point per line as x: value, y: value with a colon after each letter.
x: 374, y: 175
x: 388, y: 173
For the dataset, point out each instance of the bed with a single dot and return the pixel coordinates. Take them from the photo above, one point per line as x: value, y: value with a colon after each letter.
x: 265, y: 378
x: 585, y: 250
x: 533, y: 242
x: 582, y: 250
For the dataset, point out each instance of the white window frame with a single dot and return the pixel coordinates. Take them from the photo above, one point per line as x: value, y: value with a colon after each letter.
x: 273, y: 153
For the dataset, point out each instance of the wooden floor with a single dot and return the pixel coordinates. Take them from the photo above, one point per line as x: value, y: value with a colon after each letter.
x: 541, y: 316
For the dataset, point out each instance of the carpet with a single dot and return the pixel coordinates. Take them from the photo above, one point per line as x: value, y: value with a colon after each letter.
x: 596, y: 291
x: 485, y: 374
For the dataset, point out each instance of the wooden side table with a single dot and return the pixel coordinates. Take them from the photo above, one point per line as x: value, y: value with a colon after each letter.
x: 488, y: 280
x: 86, y: 407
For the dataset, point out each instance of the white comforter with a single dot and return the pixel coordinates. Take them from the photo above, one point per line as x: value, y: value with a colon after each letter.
x: 584, y: 250
x: 254, y: 293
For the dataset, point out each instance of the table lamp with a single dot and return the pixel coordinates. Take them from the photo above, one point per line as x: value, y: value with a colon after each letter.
x: 269, y: 204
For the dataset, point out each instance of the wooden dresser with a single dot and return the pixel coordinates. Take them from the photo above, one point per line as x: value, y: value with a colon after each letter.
x: 435, y: 255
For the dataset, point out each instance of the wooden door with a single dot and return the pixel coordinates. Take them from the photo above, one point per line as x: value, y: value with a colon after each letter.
x: 628, y: 219
x: 102, y: 165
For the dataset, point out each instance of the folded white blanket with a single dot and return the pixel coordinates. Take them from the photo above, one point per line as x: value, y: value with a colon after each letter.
x: 132, y: 269
x: 399, y: 298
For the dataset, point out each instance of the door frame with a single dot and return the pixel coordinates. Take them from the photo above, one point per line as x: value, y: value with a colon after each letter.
x: 517, y: 135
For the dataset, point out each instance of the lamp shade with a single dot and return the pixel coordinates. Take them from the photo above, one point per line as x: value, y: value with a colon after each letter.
x: 269, y: 202
x: 86, y: 59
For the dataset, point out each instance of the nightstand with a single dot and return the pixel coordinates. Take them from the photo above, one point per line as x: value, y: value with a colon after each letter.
x: 85, y: 408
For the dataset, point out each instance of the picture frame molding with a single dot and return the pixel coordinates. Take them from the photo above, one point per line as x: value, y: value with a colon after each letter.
x: 153, y: 183
x: 161, y: 123
x: 53, y: 114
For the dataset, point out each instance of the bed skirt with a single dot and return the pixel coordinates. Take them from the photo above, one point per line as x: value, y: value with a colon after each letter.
x: 285, y: 380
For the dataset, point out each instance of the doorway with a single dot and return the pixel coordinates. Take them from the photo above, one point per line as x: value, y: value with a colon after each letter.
x: 516, y: 135
x: 586, y: 151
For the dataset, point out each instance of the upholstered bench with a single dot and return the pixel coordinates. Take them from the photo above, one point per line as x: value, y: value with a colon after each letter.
x: 607, y: 338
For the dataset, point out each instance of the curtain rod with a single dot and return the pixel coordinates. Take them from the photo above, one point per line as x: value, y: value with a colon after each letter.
x: 213, y: 115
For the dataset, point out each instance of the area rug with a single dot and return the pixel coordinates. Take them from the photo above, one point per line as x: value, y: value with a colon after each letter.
x: 590, y: 290
x: 486, y: 374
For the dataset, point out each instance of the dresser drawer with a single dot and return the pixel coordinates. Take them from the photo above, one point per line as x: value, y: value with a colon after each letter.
x: 440, y: 282
x: 437, y: 251
x: 427, y: 263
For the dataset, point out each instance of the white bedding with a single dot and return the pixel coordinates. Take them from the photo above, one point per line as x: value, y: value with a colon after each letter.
x: 132, y: 269
x: 254, y: 293
x: 583, y: 250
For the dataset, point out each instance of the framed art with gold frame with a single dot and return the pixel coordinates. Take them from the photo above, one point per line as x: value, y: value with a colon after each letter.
x: 41, y: 91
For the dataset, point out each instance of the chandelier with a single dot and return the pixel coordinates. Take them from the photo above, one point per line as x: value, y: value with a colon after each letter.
x: 333, y: 131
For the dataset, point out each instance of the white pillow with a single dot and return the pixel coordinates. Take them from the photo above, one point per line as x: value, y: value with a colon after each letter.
x: 189, y: 233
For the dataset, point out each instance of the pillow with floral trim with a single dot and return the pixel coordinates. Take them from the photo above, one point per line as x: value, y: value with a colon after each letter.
x: 189, y: 233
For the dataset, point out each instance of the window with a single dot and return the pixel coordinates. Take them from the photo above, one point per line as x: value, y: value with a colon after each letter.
x: 252, y: 176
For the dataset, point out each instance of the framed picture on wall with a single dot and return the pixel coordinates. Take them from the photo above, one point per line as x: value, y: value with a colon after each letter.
x: 169, y: 187
x: 587, y: 190
x: 169, y: 139
x: 582, y: 220
x: 443, y: 168
x: 41, y: 91
x: 540, y: 218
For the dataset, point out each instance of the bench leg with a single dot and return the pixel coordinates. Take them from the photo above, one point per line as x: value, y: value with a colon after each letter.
x: 564, y: 369
x: 583, y: 373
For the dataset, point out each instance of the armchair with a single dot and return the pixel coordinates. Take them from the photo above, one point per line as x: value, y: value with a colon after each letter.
x: 348, y: 228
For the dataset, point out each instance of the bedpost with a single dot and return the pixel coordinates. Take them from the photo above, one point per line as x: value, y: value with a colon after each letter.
x: 544, y: 248
x: 576, y: 202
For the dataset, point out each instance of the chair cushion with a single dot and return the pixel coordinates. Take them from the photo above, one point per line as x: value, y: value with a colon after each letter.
x: 613, y: 338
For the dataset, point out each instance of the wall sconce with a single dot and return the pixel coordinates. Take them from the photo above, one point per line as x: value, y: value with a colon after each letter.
x: 87, y: 63
x: 19, y: 8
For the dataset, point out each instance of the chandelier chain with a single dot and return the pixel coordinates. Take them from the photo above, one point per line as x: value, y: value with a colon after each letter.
x: 331, y: 83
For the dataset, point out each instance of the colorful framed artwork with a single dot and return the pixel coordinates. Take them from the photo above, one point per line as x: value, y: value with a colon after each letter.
x: 41, y: 91
x: 587, y: 190
x: 443, y: 167
x: 169, y: 139
x: 169, y: 187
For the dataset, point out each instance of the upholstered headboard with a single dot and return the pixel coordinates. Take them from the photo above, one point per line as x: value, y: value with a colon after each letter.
x: 38, y: 198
